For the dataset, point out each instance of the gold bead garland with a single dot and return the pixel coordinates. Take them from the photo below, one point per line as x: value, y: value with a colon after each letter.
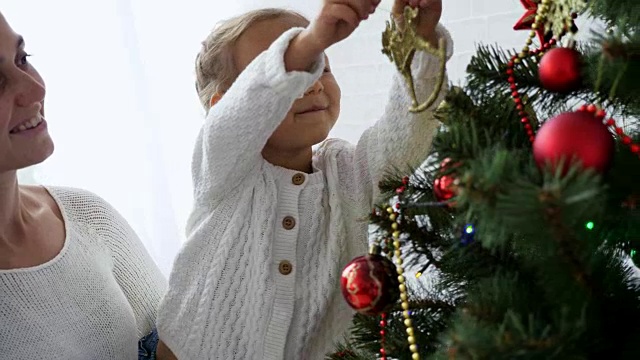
x: 397, y: 252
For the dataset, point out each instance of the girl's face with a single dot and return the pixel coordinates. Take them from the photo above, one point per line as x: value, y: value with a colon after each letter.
x: 24, y: 139
x: 314, y: 114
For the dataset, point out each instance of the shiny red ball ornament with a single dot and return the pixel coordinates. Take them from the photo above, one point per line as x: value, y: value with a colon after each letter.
x: 370, y: 284
x: 444, y: 187
x: 560, y: 70
x: 574, y: 136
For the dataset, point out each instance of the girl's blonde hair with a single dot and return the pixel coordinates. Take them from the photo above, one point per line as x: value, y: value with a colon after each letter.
x: 215, y: 66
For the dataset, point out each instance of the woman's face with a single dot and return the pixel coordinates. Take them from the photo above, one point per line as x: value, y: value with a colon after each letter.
x: 24, y: 139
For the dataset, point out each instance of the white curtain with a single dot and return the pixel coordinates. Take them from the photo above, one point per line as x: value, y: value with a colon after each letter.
x: 121, y: 102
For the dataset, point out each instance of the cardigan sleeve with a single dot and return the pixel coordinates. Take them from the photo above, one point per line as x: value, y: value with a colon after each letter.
x: 237, y: 128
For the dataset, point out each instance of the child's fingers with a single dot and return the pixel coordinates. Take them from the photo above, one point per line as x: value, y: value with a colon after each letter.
x: 429, y: 3
x: 356, y: 6
x: 345, y: 13
x: 415, y: 3
x: 374, y: 5
x: 361, y: 7
x: 399, y: 5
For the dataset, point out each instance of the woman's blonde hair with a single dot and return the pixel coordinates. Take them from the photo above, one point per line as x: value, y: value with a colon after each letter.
x: 215, y: 66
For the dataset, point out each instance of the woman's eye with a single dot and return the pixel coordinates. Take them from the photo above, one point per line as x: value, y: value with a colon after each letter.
x: 23, y: 60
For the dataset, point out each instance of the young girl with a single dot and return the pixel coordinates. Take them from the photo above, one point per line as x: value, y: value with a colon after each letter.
x: 274, y: 223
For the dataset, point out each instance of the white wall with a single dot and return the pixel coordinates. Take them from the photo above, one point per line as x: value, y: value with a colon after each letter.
x: 364, y: 72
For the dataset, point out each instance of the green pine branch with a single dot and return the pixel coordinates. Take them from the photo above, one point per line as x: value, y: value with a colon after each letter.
x: 618, y: 13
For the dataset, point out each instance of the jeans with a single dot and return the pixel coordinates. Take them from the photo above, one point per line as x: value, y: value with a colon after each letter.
x: 147, y: 346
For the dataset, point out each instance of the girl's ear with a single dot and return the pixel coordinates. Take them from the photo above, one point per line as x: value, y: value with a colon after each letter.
x: 214, y: 99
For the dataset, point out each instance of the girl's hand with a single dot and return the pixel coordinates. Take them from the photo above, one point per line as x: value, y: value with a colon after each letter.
x: 335, y: 22
x: 428, y: 17
x: 338, y: 19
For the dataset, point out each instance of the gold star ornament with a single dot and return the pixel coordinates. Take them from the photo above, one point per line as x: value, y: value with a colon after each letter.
x: 400, y: 45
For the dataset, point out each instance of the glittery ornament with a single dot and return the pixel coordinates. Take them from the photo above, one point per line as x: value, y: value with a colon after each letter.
x: 370, y: 284
x: 444, y: 187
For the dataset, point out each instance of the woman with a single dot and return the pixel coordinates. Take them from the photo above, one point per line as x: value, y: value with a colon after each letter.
x: 75, y: 280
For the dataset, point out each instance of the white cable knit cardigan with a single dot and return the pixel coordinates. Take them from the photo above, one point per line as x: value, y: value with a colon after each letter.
x: 259, y: 275
x: 94, y: 300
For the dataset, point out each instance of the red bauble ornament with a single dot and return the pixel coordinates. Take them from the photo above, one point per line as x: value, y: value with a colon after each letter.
x: 444, y: 187
x: 560, y: 70
x: 574, y: 136
x: 370, y: 284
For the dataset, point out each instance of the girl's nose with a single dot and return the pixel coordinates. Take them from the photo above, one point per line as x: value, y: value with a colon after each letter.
x: 315, y: 88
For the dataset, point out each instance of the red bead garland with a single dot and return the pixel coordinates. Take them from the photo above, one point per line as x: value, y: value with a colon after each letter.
x: 611, y: 123
x: 383, y: 325
x: 515, y: 94
x: 536, y: 13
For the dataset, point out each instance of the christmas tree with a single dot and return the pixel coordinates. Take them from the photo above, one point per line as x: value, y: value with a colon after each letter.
x: 523, y: 222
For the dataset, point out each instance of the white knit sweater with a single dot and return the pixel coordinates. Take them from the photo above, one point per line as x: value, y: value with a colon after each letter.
x: 94, y: 300
x: 259, y: 275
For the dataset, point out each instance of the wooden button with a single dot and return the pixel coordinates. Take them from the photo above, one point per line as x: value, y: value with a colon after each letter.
x: 288, y: 222
x: 285, y: 267
x: 298, y: 179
